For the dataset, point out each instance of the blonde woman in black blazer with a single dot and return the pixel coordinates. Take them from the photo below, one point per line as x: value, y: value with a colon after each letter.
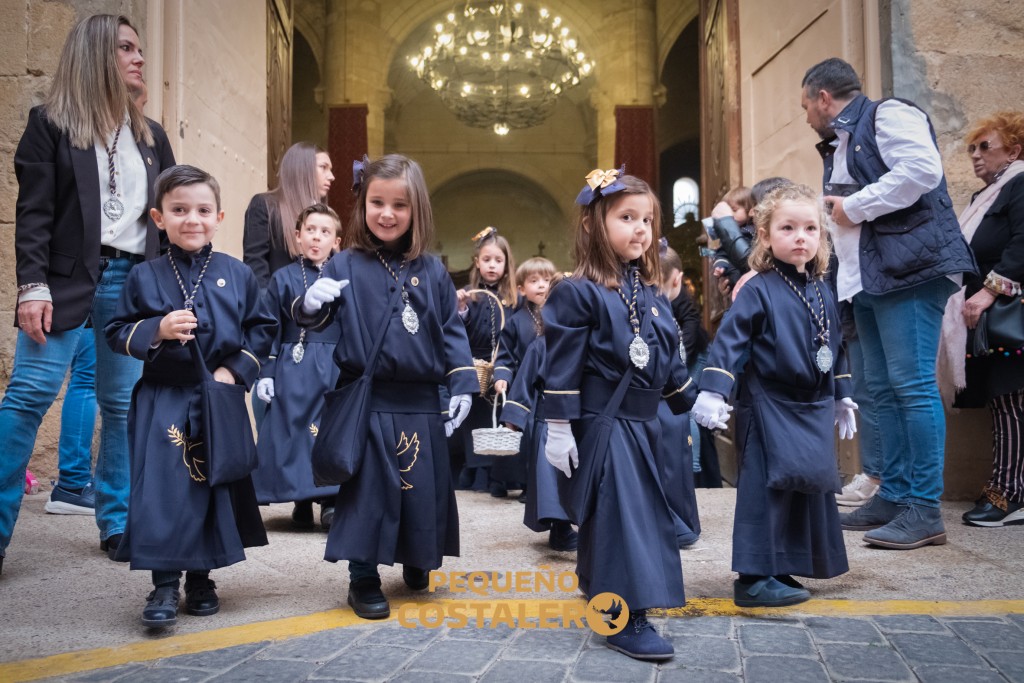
x: 85, y: 167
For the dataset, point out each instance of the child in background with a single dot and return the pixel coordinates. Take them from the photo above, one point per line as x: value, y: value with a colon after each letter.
x: 728, y: 265
x: 612, y: 356
x: 677, y: 442
x: 795, y: 388
x: 176, y: 520
x: 293, y: 381
x: 533, y: 277
x: 400, y: 505
x: 492, y: 270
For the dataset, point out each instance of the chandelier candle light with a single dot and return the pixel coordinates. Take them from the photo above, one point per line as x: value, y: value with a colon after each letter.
x: 501, y: 65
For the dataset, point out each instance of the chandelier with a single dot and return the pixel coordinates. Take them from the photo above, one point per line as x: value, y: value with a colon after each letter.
x: 501, y: 66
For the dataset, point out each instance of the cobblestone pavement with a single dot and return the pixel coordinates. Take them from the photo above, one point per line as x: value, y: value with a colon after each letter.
x: 791, y: 649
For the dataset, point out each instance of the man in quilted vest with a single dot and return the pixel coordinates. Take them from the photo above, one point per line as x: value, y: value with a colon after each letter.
x: 901, y: 255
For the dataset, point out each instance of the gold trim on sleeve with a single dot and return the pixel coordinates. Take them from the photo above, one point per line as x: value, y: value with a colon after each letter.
x: 689, y: 381
x: 451, y: 372
x: 846, y: 376
x: 724, y: 372
x: 515, y: 403
x: 546, y: 391
x: 128, y: 343
x: 254, y: 359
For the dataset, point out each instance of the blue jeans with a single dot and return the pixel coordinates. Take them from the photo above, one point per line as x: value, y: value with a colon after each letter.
x: 899, y: 335
x: 78, y: 416
x: 38, y: 374
x: 867, y: 424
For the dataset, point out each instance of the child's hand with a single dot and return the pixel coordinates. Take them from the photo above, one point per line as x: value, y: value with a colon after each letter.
x: 845, y: 418
x: 222, y: 374
x: 177, y: 325
x: 463, y: 298
x: 500, y: 386
x: 509, y: 425
x: 718, y: 272
x: 323, y: 291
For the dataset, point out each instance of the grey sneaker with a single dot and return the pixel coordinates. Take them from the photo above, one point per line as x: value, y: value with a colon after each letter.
x: 63, y: 502
x: 917, y: 526
x: 857, y: 492
x: 873, y: 514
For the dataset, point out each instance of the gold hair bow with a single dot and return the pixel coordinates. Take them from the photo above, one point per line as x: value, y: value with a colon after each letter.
x: 598, y: 178
x: 484, y: 233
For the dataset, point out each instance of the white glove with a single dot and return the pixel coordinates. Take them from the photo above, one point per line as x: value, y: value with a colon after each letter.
x: 323, y: 291
x: 845, y: 419
x: 710, y: 410
x: 560, y: 448
x: 458, y: 411
x: 265, y: 389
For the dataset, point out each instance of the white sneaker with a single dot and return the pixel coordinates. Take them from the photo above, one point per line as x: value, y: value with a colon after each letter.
x: 857, y: 492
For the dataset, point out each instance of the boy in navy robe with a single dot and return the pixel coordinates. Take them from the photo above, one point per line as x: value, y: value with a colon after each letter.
x: 176, y: 520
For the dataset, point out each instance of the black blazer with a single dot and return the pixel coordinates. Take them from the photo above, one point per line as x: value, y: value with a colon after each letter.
x: 57, y: 224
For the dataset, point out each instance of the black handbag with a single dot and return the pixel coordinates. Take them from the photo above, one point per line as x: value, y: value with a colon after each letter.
x: 1000, y: 328
x: 340, y: 443
x: 226, y: 436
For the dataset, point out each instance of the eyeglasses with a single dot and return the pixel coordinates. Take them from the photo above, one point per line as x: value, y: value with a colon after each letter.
x: 984, y: 146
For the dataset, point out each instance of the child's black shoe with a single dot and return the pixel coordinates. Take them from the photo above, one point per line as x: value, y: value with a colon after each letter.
x: 415, y: 578
x: 161, y: 608
x: 639, y: 640
x: 302, y: 515
x: 201, y: 597
x: 562, y: 537
x: 367, y: 600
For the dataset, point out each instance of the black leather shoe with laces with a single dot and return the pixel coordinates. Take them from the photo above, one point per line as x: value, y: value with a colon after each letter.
x: 201, y: 597
x: 161, y: 608
x: 639, y: 640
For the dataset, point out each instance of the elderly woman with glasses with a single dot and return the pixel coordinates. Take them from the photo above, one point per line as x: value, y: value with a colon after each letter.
x: 993, y: 224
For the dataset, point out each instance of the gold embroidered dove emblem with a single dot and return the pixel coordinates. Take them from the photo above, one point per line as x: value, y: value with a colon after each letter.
x: 409, y: 448
x: 191, y: 461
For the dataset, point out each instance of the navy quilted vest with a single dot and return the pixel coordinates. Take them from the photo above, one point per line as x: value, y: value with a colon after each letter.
x: 909, y: 246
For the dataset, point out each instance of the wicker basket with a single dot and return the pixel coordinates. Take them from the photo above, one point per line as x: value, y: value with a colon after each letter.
x: 496, y: 440
x: 485, y: 368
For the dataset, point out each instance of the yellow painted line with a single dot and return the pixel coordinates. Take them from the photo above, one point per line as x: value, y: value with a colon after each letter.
x: 291, y: 627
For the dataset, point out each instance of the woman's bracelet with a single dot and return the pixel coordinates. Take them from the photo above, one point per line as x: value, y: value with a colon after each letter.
x: 31, y: 285
x: 1001, y: 285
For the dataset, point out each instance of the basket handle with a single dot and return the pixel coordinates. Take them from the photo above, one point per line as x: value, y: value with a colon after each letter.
x: 501, y: 311
x: 494, y: 409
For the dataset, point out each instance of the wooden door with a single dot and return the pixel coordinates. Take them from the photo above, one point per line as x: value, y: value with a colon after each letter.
x: 279, y: 83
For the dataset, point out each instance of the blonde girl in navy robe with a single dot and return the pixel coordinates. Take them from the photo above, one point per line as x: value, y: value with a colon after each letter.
x: 299, y: 371
x: 492, y: 270
x: 400, y: 505
x: 176, y: 520
x: 603, y: 326
x: 793, y: 390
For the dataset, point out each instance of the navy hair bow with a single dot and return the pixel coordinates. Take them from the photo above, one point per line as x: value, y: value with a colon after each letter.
x: 358, y: 169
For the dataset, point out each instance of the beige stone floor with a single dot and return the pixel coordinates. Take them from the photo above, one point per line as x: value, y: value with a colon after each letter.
x: 59, y: 593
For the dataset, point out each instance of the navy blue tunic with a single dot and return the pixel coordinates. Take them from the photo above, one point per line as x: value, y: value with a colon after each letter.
x: 525, y: 410
x: 483, y: 328
x: 628, y: 544
x: 779, y: 532
x: 286, y: 435
x: 176, y: 521
x: 400, y: 505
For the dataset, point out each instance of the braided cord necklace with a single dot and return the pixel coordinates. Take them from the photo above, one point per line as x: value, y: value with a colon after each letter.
x: 410, y: 321
x: 112, y: 208
x: 823, y: 358
x: 639, y: 351
x: 189, y: 298
x: 299, y: 350
x: 538, y: 323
